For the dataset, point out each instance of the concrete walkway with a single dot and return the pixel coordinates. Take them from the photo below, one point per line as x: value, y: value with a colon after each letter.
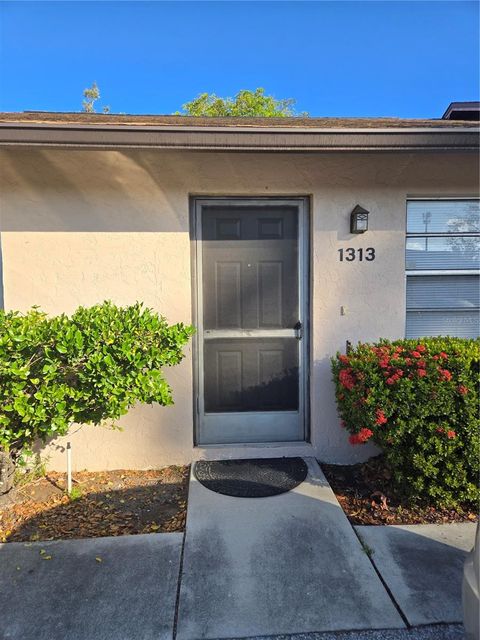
x: 281, y: 565
x: 422, y: 565
x: 432, y: 632
x: 252, y: 568
x: 60, y: 591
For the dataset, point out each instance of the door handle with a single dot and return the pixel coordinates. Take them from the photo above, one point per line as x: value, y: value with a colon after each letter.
x: 298, y: 330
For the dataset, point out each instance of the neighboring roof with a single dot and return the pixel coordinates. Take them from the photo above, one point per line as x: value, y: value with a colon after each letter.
x: 38, y: 128
x: 463, y: 111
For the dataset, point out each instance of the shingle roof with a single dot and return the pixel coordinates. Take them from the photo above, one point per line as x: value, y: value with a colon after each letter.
x: 80, y: 118
x: 39, y: 128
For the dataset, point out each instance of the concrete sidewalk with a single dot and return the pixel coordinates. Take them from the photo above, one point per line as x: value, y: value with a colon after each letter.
x: 262, y: 567
x: 422, y: 565
x: 432, y: 632
x: 60, y: 591
x: 281, y: 565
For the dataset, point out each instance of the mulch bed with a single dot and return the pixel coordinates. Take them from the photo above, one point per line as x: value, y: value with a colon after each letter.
x: 108, y: 503
x: 365, y: 493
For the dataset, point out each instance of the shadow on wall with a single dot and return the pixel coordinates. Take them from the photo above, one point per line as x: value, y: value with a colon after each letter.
x: 150, y: 436
x: 125, y: 190
x: 65, y: 191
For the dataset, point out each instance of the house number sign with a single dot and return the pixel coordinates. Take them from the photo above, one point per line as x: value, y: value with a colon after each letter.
x: 350, y: 254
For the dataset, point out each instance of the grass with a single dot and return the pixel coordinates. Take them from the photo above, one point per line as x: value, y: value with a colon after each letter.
x: 75, y: 494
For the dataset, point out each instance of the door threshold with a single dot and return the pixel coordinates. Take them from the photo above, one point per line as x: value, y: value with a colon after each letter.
x: 252, y: 450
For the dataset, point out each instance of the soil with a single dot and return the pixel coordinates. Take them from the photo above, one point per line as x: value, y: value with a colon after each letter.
x: 365, y: 493
x: 107, y: 503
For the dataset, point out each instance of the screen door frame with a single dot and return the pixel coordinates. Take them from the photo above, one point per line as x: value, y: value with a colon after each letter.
x: 301, y: 203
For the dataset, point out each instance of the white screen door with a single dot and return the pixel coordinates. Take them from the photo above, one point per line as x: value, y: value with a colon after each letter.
x: 251, y: 320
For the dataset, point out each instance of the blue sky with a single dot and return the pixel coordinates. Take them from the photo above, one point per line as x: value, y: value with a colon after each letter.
x: 408, y: 59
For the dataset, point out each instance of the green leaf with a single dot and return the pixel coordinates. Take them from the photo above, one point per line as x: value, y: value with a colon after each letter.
x: 89, y: 368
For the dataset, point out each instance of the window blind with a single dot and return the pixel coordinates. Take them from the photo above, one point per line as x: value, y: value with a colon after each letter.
x: 442, y: 262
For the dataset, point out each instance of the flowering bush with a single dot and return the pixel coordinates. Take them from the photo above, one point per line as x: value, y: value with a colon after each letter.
x: 418, y: 401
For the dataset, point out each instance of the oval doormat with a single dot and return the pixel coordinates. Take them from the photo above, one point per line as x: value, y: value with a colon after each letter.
x: 255, y: 478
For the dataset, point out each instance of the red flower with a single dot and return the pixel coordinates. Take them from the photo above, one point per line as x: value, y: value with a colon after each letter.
x: 344, y: 359
x: 381, y: 418
x: 408, y: 361
x: 436, y: 357
x: 421, y: 373
x: 346, y: 378
x: 394, y: 378
x: 365, y: 434
x: 444, y: 374
x: 422, y: 348
x: 443, y: 355
x: 415, y: 354
x: 383, y: 363
x: 462, y: 390
x: 362, y: 436
x: 450, y: 433
x: 421, y: 364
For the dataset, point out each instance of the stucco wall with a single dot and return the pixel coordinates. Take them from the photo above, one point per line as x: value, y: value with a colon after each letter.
x: 79, y: 226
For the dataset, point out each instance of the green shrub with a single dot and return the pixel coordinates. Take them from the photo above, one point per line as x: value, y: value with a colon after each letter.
x: 87, y: 368
x: 418, y: 401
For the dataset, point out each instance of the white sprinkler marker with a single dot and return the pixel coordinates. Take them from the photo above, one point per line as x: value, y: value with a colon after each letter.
x: 69, y: 468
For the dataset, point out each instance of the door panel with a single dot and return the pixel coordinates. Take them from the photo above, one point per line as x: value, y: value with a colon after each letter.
x: 227, y: 295
x: 270, y: 293
x: 251, y: 297
x: 251, y: 374
x: 249, y: 263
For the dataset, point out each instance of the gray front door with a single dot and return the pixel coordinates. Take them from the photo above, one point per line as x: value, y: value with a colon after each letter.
x: 251, y: 294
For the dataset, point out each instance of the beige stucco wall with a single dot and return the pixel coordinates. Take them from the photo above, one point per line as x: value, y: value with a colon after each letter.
x: 78, y: 227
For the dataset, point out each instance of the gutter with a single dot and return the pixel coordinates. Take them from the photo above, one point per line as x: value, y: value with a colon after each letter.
x: 218, y: 138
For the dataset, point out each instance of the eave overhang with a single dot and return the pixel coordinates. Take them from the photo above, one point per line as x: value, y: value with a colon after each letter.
x: 218, y: 138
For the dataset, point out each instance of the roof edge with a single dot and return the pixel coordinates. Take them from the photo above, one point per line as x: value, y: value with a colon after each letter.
x: 461, y: 107
x: 229, y: 129
x: 226, y: 138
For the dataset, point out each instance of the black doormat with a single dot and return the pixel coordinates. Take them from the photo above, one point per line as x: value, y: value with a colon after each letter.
x: 255, y: 478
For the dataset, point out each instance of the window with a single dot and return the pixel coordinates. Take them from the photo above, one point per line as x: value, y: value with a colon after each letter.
x: 443, y: 267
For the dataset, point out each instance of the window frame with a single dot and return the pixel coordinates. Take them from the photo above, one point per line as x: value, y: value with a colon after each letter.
x: 409, y: 273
